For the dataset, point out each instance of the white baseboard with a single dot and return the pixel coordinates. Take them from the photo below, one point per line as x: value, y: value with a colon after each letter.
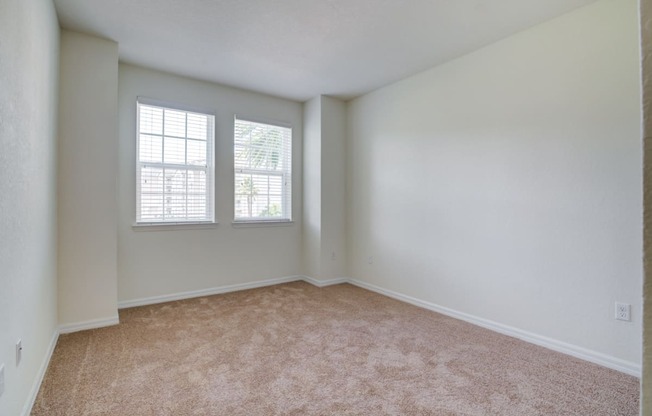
x: 92, y: 324
x: 553, y: 344
x: 228, y: 288
x: 206, y: 292
x: 324, y: 283
x: 36, y: 386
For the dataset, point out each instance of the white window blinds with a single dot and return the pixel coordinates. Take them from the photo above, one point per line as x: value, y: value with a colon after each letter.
x: 174, y: 165
x: 263, y: 171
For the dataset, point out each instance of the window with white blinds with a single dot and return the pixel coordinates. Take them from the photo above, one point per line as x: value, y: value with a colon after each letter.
x: 263, y: 171
x: 174, y: 165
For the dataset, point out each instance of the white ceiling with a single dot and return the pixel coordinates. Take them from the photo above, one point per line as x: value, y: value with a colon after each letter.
x: 299, y: 49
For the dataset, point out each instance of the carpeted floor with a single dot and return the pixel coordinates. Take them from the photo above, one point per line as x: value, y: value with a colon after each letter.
x: 295, y: 349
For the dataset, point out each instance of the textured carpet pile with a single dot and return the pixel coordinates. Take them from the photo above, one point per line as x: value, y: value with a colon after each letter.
x: 295, y: 349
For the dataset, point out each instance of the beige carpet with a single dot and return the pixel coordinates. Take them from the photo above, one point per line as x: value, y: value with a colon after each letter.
x: 295, y: 349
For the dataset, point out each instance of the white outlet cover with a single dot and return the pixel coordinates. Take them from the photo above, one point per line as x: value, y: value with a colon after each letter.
x: 623, y: 311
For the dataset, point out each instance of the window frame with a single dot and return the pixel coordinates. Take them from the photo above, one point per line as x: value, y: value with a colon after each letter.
x: 210, y: 220
x: 286, y: 177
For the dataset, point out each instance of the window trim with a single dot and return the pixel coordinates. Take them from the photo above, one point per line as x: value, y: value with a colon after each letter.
x: 288, y: 197
x: 261, y: 223
x: 211, y: 222
x: 166, y: 226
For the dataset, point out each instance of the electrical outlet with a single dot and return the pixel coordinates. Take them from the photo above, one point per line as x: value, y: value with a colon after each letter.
x: 370, y: 259
x: 2, y: 379
x: 19, y: 351
x: 623, y: 311
x: 333, y: 256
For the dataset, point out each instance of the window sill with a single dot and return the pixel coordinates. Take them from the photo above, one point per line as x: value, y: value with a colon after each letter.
x: 259, y: 223
x: 163, y: 226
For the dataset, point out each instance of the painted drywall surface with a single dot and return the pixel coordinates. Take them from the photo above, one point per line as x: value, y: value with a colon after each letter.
x: 333, y: 186
x: 312, y: 167
x: 507, y: 184
x: 324, y: 242
x: 154, y: 263
x: 646, y: 72
x: 29, y: 79
x: 87, y: 179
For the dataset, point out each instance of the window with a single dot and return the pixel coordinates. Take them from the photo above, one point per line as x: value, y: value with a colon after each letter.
x: 174, y: 165
x: 263, y: 171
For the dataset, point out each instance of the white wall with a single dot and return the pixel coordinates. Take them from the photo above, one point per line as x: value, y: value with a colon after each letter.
x: 29, y: 67
x: 333, y: 187
x: 646, y: 55
x: 312, y: 187
x: 324, y: 239
x: 506, y: 184
x: 87, y: 180
x: 156, y: 263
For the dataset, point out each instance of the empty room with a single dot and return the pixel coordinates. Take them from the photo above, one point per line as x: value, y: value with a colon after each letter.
x: 325, y: 207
